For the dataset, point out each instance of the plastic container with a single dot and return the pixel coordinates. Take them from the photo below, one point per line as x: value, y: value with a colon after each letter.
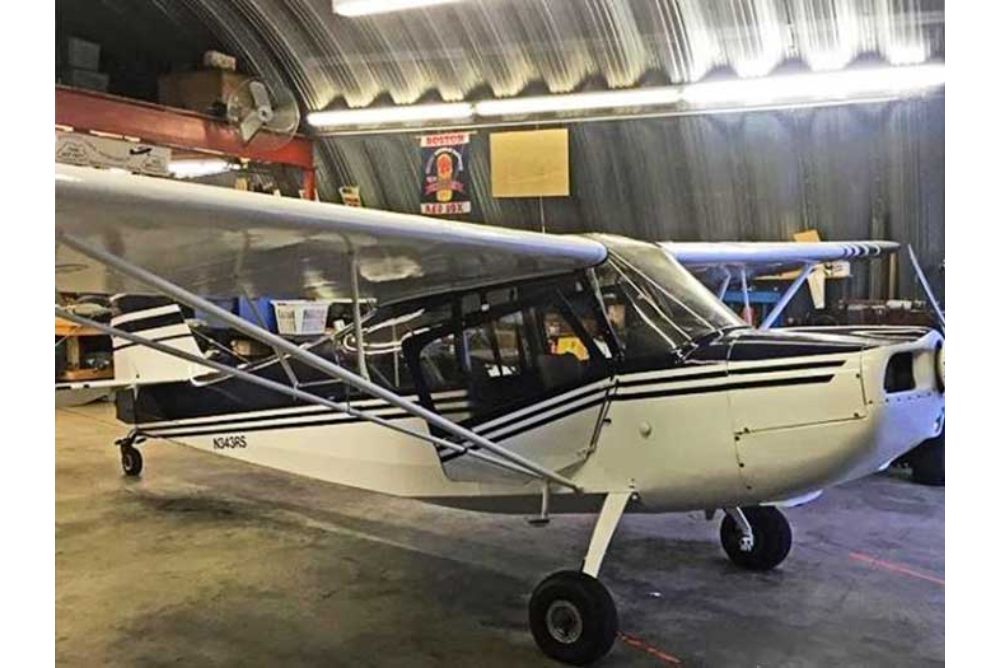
x: 300, y: 317
x: 255, y: 312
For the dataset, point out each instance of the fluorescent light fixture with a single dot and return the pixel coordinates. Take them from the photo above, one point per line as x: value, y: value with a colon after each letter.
x: 611, y: 99
x: 368, y: 7
x: 845, y: 84
x: 785, y: 89
x: 193, y: 169
x: 404, y: 114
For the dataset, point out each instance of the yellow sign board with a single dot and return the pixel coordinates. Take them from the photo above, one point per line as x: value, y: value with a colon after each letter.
x: 533, y: 163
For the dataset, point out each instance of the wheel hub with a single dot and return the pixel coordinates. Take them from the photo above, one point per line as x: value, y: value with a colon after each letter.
x: 564, y: 622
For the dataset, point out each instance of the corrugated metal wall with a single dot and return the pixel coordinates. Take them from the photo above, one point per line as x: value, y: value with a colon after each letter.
x: 852, y: 172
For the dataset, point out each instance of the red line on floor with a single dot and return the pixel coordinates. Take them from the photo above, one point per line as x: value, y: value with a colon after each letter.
x: 642, y: 645
x: 895, y: 568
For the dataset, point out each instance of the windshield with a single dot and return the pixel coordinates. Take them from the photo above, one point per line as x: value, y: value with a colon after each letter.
x: 653, y: 301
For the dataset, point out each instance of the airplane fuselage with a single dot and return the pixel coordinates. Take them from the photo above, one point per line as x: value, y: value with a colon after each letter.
x: 752, y: 417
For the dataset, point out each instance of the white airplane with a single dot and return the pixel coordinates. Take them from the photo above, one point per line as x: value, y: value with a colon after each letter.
x: 500, y: 371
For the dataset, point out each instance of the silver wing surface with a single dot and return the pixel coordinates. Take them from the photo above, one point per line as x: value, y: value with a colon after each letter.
x: 221, y: 242
x: 772, y: 257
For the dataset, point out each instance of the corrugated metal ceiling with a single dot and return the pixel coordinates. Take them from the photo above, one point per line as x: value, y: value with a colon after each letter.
x: 500, y: 48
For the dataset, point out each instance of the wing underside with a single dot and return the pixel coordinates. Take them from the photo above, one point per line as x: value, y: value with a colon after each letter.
x: 220, y: 242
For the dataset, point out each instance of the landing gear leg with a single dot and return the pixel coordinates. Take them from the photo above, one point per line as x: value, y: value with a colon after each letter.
x: 572, y: 615
x: 131, y: 458
x: 757, y: 538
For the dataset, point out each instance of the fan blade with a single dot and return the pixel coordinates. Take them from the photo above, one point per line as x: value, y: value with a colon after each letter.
x: 285, y: 120
x: 250, y: 125
x: 261, y: 100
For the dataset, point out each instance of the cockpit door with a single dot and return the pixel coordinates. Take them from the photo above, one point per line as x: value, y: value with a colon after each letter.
x: 536, y: 380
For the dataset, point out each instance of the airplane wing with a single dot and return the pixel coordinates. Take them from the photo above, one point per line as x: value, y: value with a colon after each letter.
x: 721, y: 264
x: 772, y: 257
x: 221, y: 242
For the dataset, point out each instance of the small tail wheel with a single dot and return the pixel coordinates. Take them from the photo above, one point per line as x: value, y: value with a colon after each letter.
x: 772, y: 539
x: 573, y: 618
x: 131, y: 461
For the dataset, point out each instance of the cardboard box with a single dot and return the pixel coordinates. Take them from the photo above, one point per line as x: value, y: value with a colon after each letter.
x: 86, y: 79
x: 218, y: 61
x: 199, y: 90
x: 83, y: 55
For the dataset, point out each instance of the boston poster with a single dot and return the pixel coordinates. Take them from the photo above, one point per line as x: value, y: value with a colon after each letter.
x: 445, y: 186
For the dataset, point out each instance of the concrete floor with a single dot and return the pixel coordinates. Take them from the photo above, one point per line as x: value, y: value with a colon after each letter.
x: 206, y: 561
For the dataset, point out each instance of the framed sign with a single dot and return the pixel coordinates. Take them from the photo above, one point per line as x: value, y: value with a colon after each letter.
x: 532, y: 163
x: 445, y: 174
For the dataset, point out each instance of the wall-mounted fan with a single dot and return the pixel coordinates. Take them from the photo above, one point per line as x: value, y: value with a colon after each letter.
x: 266, y: 115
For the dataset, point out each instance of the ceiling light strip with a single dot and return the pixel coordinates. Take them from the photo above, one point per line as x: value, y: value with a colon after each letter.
x: 369, y: 7
x: 806, y: 89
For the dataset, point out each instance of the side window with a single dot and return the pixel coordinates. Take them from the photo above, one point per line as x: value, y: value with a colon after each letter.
x: 438, y: 362
x: 516, y: 352
x: 384, y: 341
x: 498, y: 361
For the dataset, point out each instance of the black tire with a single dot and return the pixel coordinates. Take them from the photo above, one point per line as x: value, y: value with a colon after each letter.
x: 131, y: 461
x: 772, y: 538
x: 573, y: 618
x: 927, y: 462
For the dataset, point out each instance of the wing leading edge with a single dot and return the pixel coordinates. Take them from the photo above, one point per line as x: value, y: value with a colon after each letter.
x: 220, y: 242
x: 773, y: 257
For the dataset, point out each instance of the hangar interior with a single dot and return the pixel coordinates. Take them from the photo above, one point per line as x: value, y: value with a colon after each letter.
x: 749, y: 121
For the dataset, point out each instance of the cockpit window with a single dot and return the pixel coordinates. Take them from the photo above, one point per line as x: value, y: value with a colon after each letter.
x: 654, y: 304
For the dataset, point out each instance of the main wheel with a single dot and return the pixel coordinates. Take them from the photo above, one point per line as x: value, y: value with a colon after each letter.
x: 573, y: 618
x: 131, y: 461
x: 927, y: 462
x: 772, y: 538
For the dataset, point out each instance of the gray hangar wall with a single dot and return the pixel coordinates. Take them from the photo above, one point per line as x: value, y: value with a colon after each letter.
x: 852, y: 172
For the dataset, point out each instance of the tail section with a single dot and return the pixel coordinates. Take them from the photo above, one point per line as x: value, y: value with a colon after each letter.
x: 160, y: 320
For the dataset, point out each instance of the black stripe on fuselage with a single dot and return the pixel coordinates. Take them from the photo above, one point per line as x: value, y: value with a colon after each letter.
x: 234, y: 425
x: 292, y: 413
x: 797, y: 366
x: 656, y: 394
x: 703, y: 389
x: 226, y: 425
x: 155, y: 322
x: 527, y: 416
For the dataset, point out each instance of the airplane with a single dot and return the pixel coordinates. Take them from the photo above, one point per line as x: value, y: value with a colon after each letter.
x: 499, y: 371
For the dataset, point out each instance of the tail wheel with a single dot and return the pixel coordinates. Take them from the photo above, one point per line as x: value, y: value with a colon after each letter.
x: 573, y: 618
x: 131, y: 461
x: 772, y: 539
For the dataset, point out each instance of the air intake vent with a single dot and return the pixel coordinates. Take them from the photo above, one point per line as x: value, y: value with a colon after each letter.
x: 899, y: 373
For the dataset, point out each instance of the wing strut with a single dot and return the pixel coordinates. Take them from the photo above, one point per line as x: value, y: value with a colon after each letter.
x: 787, y: 295
x: 925, y: 285
x: 724, y: 285
x: 310, y: 359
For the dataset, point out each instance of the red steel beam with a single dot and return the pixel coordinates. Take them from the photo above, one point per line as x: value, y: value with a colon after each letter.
x: 168, y: 126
